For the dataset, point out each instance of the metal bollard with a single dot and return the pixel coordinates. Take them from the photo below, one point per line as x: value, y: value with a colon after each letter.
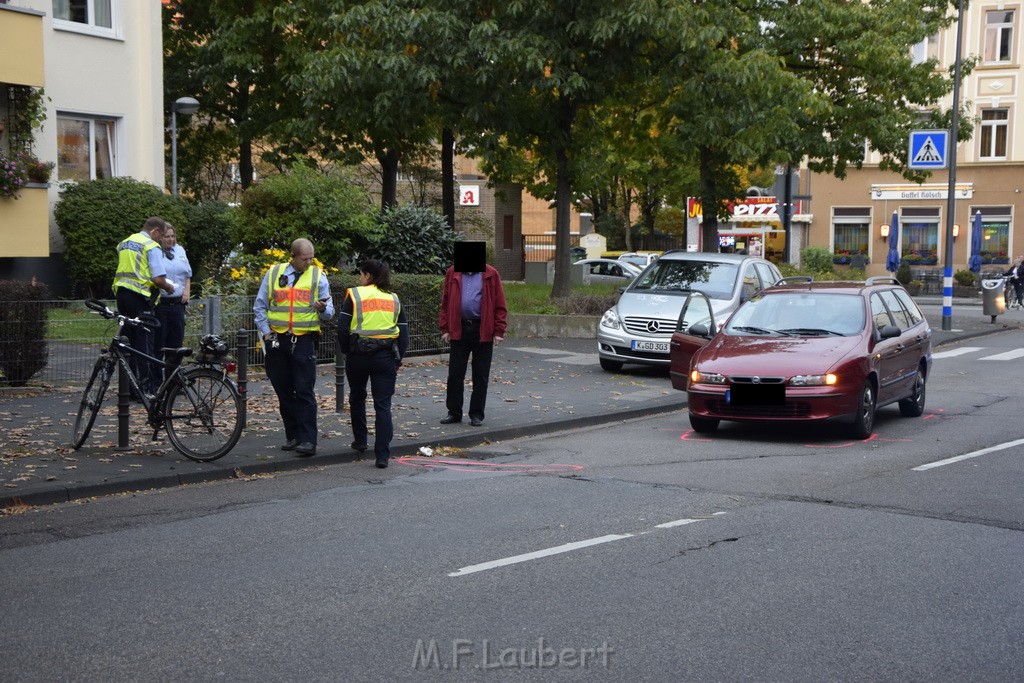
x: 242, y: 341
x: 339, y: 378
x: 123, y: 409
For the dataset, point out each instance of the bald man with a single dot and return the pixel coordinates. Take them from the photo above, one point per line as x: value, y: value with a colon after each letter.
x: 294, y: 298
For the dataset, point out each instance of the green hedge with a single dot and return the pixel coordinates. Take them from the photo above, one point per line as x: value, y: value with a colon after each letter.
x: 23, y: 350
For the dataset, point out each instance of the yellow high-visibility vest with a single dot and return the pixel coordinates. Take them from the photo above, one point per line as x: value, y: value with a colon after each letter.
x: 374, y: 313
x: 133, y: 264
x: 291, y: 306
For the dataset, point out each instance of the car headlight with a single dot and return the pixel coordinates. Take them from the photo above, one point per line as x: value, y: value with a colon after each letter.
x: 706, y: 377
x: 611, y: 319
x: 826, y: 380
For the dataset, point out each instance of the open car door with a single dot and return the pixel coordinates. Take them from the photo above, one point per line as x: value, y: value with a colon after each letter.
x: 695, y: 328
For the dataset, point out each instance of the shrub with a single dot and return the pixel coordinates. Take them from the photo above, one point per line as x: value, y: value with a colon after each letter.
x: 816, y: 259
x: 22, y: 330
x: 965, y: 278
x: 327, y: 208
x: 94, y: 217
x: 903, y: 274
x: 207, y: 240
x: 413, y: 239
x: 421, y: 299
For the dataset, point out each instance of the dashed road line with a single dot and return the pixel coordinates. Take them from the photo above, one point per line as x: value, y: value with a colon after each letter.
x: 956, y: 352
x: 968, y: 456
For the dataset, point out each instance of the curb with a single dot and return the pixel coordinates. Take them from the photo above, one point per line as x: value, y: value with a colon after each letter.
x: 65, y: 494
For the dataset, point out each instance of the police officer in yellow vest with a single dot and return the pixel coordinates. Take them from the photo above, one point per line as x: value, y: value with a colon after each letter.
x: 293, y: 298
x: 372, y: 328
x: 140, y: 272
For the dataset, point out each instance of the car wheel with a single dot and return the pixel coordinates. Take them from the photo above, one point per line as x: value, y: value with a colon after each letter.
x: 913, y: 406
x: 864, y: 419
x: 611, y: 365
x: 703, y: 424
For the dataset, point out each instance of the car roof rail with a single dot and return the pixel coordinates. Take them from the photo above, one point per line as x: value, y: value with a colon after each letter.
x: 794, y: 278
x: 882, y: 280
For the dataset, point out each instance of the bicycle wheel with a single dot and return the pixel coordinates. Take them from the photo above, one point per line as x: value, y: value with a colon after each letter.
x: 203, y: 415
x: 92, y: 399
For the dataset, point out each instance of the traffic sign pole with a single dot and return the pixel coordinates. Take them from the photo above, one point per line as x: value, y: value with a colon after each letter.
x: 947, y: 280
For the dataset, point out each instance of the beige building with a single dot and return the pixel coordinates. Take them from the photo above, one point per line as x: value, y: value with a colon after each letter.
x: 848, y: 214
x: 101, y: 65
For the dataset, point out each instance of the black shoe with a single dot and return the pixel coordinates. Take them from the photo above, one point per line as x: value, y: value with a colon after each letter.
x: 451, y: 419
x: 290, y: 445
x: 382, y: 464
x: 305, y: 449
x: 358, y: 446
x: 475, y: 421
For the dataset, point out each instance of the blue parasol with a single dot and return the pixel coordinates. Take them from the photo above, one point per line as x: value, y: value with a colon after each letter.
x: 974, y: 263
x: 892, y: 261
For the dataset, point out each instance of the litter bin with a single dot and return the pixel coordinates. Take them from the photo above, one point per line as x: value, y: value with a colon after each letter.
x: 992, y: 301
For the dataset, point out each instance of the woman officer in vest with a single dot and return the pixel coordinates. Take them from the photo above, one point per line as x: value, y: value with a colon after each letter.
x: 373, y: 331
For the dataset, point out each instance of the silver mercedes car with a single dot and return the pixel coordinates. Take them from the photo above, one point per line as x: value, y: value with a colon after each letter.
x: 638, y: 328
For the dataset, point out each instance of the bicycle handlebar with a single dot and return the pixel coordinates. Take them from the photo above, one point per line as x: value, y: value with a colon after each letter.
x: 147, y: 321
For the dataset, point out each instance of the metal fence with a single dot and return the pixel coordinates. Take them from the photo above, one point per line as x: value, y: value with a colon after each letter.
x: 74, y: 335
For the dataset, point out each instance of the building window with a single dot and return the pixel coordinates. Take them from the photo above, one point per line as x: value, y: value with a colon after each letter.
x: 97, y: 17
x: 919, y: 236
x: 994, y: 130
x: 851, y: 232
x: 85, y: 148
x: 998, y: 35
x: 995, y: 233
x: 926, y: 49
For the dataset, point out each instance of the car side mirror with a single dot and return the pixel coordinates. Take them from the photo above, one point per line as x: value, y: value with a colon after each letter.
x: 889, y: 331
x: 699, y: 330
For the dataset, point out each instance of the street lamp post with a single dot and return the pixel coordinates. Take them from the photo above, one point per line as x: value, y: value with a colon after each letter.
x: 947, y: 280
x: 187, y: 106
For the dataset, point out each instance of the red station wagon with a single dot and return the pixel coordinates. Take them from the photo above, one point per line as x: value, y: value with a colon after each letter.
x: 804, y: 350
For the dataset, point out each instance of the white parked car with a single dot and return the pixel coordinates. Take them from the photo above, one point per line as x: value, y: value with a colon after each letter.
x: 600, y: 271
x: 642, y: 259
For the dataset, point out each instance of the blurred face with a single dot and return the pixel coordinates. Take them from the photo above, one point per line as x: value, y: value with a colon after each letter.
x: 168, y: 239
x: 302, y: 259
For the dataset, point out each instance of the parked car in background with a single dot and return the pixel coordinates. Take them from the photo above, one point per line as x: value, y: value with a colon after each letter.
x: 640, y: 325
x: 804, y: 351
x: 642, y: 259
x: 606, y: 271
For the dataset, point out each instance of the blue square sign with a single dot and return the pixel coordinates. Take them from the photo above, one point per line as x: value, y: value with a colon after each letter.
x: 928, y: 149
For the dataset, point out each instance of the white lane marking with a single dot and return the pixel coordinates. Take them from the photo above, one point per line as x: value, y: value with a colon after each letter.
x: 557, y: 550
x: 678, y: 522
x: 567, y: 357
x: 1009, y: 355
x: 968, y: 456
x: 956, y: 352
x: 541, y: 350
x: 568, y: 547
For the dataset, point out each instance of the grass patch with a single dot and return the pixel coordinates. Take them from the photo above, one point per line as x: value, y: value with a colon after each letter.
x: 524, y: 298
x: 76, y: 322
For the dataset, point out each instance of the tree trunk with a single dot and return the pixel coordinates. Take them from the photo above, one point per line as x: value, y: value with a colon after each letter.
x: 448, y: 176
x: 388, y: 179
x: 245, y: 166
x: 709, y: 201
x: 563, y: 197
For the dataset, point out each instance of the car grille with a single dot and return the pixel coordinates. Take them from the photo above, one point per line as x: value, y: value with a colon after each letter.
x: 740, y: 379
x: 788, y: 409
x: 650, y: 327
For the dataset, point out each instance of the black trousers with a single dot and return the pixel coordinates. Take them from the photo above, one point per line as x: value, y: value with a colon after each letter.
x: 133, y: 304
x: 381, y: 370
x: 458, y: 358
x: 172, y: 326
x: 292, y: 372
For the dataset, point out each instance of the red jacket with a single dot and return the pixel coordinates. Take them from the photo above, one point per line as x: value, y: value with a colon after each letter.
x: 493, y: 311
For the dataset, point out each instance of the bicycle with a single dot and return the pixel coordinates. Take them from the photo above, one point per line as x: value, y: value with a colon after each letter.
x: 199, y: 406
x: 1009, y: 294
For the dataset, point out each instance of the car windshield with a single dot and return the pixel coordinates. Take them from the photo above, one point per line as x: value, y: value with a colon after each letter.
x: 717, y: 280
x: 802, y: 314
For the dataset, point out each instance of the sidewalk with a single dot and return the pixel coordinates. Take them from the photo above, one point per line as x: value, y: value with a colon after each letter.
x: 537, y: 386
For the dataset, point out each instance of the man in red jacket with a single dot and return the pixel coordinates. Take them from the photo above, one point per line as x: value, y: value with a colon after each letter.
x: 473, y: 318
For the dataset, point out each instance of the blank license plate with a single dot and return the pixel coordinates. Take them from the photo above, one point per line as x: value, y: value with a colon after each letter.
x: 756, y: 394
x: 650, y: 346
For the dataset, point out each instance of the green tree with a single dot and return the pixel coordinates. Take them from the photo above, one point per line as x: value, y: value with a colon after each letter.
x: 94, y: 217
x: 413, y: 239
x: 327, y: 208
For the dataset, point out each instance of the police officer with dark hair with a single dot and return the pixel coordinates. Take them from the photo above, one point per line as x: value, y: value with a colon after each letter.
x: 293, y: 298
x: 141, y: 271
x: 373, y: 331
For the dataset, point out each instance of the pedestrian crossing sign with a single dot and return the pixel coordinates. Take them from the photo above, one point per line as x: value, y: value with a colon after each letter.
x: 928, y: 149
